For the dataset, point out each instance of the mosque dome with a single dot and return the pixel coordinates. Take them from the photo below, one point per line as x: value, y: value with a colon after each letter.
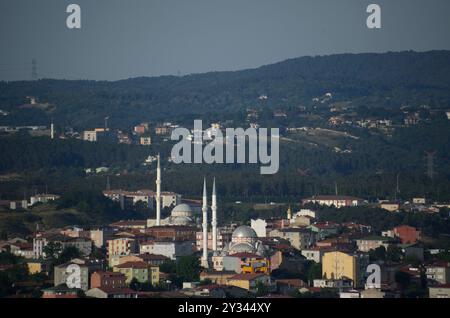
x: 181, y: 220
x: 244, y: 232
x: 182, y: 210
x: 242, y: 248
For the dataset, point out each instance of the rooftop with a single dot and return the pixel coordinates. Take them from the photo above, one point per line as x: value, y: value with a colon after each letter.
x: 134, y: 265
x: 247, y: 276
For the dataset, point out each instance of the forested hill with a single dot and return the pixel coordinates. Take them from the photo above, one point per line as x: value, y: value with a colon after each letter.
x: 388, y: 80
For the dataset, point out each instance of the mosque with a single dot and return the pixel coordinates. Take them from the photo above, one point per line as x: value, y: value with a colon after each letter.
x: 182, y: 214
x: 244, y: 239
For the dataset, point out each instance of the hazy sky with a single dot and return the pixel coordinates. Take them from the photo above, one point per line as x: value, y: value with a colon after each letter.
x: 128, y: 38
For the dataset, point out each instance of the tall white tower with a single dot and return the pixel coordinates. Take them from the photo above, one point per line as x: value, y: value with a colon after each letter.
x: 158, y: 193
x: 204, y: 261
x: 214, y: 217
x: 52, y: 130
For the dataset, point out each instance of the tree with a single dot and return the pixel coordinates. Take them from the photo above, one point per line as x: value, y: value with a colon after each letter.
x: 394, y: 253
x: 403, y: 279
x: 52, y: 250
x: 378, y: 254
x: 69, y: 253
x: 188, y: 268
x: 261, y: 289
x: 314, y: 271
x: 168, y: 267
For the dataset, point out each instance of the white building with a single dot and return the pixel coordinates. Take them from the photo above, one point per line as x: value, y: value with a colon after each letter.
x: 43, y: 198
x: 334, y: 200
x: 306, y: 212
x: 439, y: 272
x: 172, y: 250
x: 90, y: 135
x: 313, y: 254
x: 170, y: 199
x: 260, y: 227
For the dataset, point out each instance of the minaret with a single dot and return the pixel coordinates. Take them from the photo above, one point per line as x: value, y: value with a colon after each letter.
x: 158, y: 193
x: 214, y: 217
x: 204, y: 261
x: 289, y: 213
x: 52, y: 130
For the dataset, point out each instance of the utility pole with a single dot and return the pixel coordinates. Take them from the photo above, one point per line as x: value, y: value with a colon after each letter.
x: 430, y: 163
x: 397, y: 189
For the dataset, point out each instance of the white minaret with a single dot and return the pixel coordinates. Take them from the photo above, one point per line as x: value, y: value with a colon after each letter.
x: 204, y: 261
x: 158, y: 193
x: 52, y: 130
x: 214, y: 217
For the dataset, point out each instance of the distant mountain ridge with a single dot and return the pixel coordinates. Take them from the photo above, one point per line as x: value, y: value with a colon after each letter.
x: 402, y: 77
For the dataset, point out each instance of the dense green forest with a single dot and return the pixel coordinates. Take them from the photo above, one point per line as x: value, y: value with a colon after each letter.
x: 371, y: 80
x: 32, y: 164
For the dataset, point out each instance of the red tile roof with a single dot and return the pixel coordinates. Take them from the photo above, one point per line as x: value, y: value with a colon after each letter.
x: 116, y: 291
x: 134, y: 265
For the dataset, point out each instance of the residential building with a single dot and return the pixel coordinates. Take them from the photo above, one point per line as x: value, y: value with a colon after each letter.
x: 120, y: 246
x: 441, y: 291
x: 63, y: 271
x: 100, y: 236
x: 315, y: 254
x: 249, y: 281
x: 150, y: 259
x: 84, y: 245
x: 372, y: 242
x: 128, y: 199
x: 339, y: 265
x: 90, y: 135
x: 299, y: 238
x: 390, y: 206
x: 61, y: 291
x: 324, y: 229
x: 172, y: 232
x: 108, y: 280
x: 170, y: 199
x: 333, y: 283
x: 36, y: 266
x: 438, y: 272
x: 138, y: 271
x: 223, y: 238
x: 217, y: 277
x: 103, y: 292
x: 260, y: 227
x: 43, y: 198
x: 145, y: 141
x: 419, y: 200
x: 21, y: 204
x: 170, y: 249
x: 407, y: 234
x: 141, y: 128
x: 334, y: 200
x: 21, y: 249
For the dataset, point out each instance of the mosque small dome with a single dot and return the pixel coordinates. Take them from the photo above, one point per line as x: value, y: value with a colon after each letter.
x: 242, y: 248
x: 182, y: 210
x: 244, y: 231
